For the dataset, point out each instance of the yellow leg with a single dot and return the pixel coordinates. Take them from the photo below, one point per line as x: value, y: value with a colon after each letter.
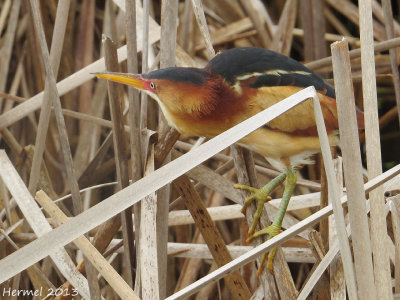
x: 275, y: 228
x: 261, y: 195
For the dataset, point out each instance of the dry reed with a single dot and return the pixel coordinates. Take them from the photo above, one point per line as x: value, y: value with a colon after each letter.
x: 61, y: 136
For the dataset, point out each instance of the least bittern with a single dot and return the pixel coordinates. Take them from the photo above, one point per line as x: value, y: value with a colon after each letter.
x: 234, y: 86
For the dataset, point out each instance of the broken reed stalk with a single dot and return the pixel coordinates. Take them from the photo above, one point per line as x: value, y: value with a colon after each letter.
x: 353, y: 172
x: 383, y: 280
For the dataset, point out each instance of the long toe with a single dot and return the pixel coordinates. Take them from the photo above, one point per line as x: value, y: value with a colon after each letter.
x: 261, y: 196
x: 272, y: 230
x: 270, y: 263
x: 269, y: 257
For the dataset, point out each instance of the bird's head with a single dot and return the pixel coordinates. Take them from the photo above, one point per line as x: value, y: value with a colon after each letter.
x: 177, y: 90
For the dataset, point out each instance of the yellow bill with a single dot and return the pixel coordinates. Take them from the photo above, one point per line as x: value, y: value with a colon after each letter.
x: 129, y: 79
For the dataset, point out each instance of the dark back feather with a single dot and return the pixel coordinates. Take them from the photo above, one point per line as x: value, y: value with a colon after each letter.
x: 269, y: 68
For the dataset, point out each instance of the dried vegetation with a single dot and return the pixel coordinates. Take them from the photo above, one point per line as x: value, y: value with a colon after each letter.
x: 94, y: 150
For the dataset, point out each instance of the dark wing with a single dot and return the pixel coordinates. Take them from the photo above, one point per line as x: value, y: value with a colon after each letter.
x: 268, y: 68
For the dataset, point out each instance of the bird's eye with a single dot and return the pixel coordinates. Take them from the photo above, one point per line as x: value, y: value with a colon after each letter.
x: 152, y: 85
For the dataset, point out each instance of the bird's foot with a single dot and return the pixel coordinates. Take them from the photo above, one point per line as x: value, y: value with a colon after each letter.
x: 272, y: 230
x: 276, y: 227
x: 261, y: 195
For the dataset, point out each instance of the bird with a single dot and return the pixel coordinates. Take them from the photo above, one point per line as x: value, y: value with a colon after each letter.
x: 235, y: 85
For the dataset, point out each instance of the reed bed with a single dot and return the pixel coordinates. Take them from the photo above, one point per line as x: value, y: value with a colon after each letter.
x: 101, y: 199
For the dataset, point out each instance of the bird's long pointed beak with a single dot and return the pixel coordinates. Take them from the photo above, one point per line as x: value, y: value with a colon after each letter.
x: 134, y: 80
